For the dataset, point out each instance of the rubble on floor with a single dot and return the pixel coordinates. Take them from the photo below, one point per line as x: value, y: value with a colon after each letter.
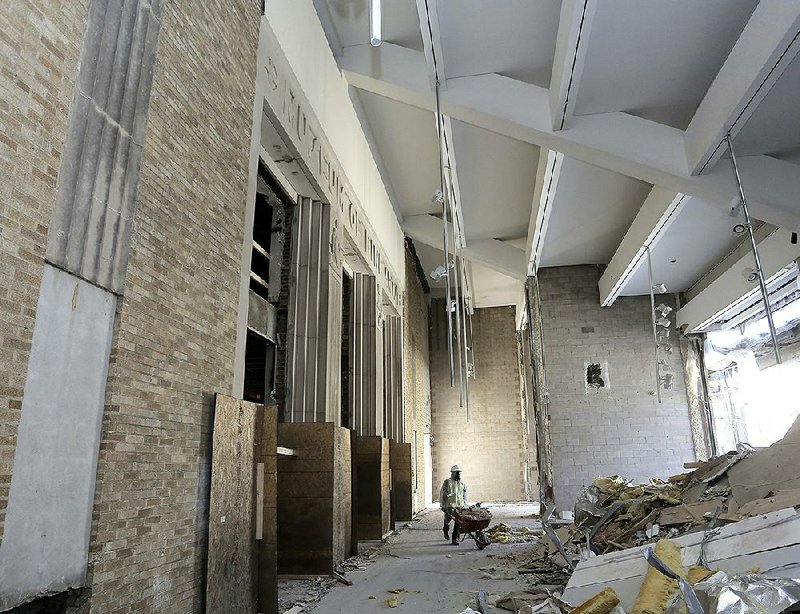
x: 725, y: 525
x: 502, y: 533
x: 300, y: 595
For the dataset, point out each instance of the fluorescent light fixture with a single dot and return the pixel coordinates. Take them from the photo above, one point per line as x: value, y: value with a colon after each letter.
x: 659, y: 289
x: 663, y: 322
x: 375, y: 35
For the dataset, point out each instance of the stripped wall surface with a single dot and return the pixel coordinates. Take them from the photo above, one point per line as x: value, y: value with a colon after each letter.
x: 489, y: 447
x: 621, y: 429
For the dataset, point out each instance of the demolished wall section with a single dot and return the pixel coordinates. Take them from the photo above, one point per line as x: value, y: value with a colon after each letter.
x: 489, y: 447
x: 620, y: 428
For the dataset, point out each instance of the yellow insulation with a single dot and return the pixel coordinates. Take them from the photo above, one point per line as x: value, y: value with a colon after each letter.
x: 657, y: 589
x: 602, y: 603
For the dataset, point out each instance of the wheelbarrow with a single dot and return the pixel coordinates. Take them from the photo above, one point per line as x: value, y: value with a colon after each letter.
x: 473, y: 528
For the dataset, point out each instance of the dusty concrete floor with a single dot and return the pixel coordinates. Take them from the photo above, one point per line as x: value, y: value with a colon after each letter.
x: 434, y: 576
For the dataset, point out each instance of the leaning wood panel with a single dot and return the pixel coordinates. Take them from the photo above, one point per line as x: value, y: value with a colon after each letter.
x: 231, y: 523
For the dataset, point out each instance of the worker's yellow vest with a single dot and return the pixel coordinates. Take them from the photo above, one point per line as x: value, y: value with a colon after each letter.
x: 453, y: 493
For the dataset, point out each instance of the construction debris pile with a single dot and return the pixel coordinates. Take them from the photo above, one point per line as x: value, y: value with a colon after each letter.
x: 613, y: 514
x: 738, y: 505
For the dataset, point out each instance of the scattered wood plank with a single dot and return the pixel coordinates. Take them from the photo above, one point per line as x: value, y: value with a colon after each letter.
x: 780, y: 500
x: 286, y: 451
x: 690, y: 512
x: 342, y: 578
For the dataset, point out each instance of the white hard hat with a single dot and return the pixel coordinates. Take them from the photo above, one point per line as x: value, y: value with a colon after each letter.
x: 455, y: 468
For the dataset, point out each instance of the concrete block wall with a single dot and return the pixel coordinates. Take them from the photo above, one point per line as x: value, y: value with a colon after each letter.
x: 39, y: 50
x: 488, y: 447
x: 416, y: 375
x: 314, y: 497
x: 622, y: 429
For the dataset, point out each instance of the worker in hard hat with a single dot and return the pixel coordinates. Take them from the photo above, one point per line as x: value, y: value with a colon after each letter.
x: 452, y: 495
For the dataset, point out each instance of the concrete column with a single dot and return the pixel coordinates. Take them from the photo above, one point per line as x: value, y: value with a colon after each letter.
x: 313, y: 343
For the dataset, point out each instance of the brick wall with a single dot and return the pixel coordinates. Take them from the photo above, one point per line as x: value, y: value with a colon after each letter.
x: 620, y: 430
x: 40, y: 44
x: 416, y: 375
x: 176, y: 325
x: 488, y: 448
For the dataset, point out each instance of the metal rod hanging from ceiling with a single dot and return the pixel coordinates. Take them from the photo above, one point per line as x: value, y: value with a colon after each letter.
x: 445, y: 239
x: 462, y: 281
x: 653, y: 320
x: 456, y: 306
x: 460, y: 296
x: 759, y: 271
x: 470, y: 338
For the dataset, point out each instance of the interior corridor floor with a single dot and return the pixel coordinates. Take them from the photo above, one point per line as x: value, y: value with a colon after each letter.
x: 434, y: 577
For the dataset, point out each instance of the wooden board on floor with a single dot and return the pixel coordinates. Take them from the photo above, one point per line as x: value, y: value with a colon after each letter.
x: 770, y: 542
x: 231, y: 519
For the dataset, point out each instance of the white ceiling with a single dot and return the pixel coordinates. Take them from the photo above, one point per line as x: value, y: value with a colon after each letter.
x: 774, y: 127
x: 496, y: 177
x: 701, y: 235
x: 656, y: 59
x: 591, y: 211
x: 492, y: 289
x: 650, y: 58
x: 405, y: 137
x: 515, y: 38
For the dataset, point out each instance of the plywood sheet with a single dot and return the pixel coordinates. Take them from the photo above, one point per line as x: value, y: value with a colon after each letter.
x: 231, y: 524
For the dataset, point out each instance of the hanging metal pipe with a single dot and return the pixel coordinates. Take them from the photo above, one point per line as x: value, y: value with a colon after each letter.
x: 460, y: 298
x: 470, y: 338
x: 653, y: 320
x: 461, y: 357
x: 463, y: 328
x: 759, y: 272
x: 445, y: 240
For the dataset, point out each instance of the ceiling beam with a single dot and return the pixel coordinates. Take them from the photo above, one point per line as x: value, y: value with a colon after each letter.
x: 732, y: 287
x: 619, y: 142
x: 572, y: 42
x: 766, y: 46
x: 491, y: 253
x: 659, y: 210
x: 548, y: 174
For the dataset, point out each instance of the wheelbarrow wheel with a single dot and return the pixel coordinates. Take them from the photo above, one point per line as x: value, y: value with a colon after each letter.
x: 482, y: 540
